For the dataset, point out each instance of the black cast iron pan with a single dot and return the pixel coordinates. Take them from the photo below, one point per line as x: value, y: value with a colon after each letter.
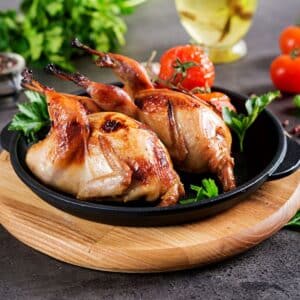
x: 268, y: 155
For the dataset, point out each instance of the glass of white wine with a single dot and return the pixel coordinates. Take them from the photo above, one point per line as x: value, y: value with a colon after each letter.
x: 218, y: 25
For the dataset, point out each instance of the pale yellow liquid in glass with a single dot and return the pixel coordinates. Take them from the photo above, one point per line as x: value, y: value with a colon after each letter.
x: 218, y: 24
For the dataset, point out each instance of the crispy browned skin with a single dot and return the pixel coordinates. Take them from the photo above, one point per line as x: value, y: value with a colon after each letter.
x: 130, y: 72
x: 107, y: 97
x: 217, y: 101
x: 88, y: 103
x: 101, y: 156
x: 197, y: 138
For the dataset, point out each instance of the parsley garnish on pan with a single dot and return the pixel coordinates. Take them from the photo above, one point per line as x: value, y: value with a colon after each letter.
x: 32, y: 116
x: 239, y: 123
x: 208, y: 189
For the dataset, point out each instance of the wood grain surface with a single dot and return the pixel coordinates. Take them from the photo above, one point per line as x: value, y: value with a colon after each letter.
x: 155, y: 249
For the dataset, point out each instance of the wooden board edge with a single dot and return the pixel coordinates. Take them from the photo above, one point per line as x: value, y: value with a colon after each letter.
x: 222, y: 249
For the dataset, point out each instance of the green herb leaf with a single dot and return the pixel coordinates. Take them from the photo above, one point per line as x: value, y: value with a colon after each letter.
x: 32, y: 116
x: 239, y: 123
x: 295, y: 221
x: 54, y: 39
x: 208, y: 189
x: 296, y: 101
x: 54, y: 8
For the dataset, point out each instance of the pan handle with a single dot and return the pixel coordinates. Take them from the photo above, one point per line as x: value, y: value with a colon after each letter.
x: 6, y: 138
x: 291, y: 161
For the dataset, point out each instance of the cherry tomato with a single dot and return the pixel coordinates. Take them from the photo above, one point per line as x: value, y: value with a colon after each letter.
x: 187, y: 66
x: 289, y: 39
x: 217, y: 100
x: 285, y: 73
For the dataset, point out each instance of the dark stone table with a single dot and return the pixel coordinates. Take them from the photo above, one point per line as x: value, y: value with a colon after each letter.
x: 269, y: 271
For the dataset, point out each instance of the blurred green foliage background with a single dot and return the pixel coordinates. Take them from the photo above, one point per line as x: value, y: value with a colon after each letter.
x: 42, y: 30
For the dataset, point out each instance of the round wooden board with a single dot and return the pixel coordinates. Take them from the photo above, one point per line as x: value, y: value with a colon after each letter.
x: 153, y: 249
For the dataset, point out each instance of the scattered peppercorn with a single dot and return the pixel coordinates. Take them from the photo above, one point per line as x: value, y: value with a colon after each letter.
x: 285, y: 123
x: 296, y: 130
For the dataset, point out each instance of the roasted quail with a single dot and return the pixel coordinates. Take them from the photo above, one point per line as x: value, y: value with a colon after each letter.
x: 100, y: 156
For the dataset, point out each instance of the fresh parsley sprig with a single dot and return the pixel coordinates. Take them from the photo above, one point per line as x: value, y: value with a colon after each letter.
x: 208, y: 189
x: 239, y: 123
x: 32, y: 116
x: 41, y: 30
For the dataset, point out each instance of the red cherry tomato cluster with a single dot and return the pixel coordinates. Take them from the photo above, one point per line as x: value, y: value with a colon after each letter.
x: 285, y: 69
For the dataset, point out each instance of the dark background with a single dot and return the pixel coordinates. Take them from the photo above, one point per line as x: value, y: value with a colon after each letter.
x: 269, y: 271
